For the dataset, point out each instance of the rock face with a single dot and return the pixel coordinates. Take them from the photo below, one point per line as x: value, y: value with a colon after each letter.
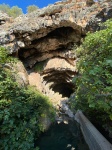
x: 4, y: 18
x: 51, y: 35
x: 21, y: 74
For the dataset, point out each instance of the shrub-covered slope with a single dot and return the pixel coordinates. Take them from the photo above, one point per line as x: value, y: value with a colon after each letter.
x: 94, y: 82
x: 21, y: 110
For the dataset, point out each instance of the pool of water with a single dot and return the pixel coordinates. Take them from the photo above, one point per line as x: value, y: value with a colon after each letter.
x: 62, y: 137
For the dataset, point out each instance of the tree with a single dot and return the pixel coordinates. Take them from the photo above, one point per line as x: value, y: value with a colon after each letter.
x: 32, y: 8
x: 15, y: 11
x: 94, y: 82
x: 4, y: 8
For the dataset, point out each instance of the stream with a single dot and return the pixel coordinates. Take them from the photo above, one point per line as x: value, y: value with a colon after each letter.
x: 62, y: 137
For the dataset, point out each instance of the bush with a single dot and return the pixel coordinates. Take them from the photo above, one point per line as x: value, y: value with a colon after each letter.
x: 94, y: 82
x: 14, y: 11
x: 39, y: 66
x: 4, y: 8
x: 21, y: 110
x: 32, y: 8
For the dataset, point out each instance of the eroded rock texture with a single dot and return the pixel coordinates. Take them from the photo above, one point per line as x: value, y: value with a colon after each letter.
x: 46, y: 40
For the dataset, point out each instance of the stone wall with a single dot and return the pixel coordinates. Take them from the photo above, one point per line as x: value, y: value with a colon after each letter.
x: 94, y: 139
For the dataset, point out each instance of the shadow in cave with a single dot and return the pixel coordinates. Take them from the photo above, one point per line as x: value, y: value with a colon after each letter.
x: 62, y: 32
x: 63, y: 88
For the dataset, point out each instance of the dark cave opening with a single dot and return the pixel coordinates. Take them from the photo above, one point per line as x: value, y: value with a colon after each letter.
x: 62, y: 32
x: 35, y: 50
x: 65, y: 89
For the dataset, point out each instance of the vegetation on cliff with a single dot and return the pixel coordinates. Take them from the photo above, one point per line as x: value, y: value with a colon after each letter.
x: 14, y: 11
x: 93, y: 94
x: 21, y: 109
x: 32, y: 8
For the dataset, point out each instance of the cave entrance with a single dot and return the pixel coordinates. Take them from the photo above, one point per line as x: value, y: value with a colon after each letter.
x: 64, y: 89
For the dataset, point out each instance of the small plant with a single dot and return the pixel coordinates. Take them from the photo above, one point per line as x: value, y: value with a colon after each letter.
x: 39, y: 66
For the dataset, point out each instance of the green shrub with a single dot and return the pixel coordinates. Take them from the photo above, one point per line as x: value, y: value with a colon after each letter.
x: 14, y: 11
x: 32, y: 8
x: 21, y: 109
x: 94, y: 82
x: 39, y: 66
x: 4, y: 8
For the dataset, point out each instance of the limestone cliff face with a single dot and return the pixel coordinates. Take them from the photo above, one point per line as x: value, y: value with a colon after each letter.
x: 51, y: 35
